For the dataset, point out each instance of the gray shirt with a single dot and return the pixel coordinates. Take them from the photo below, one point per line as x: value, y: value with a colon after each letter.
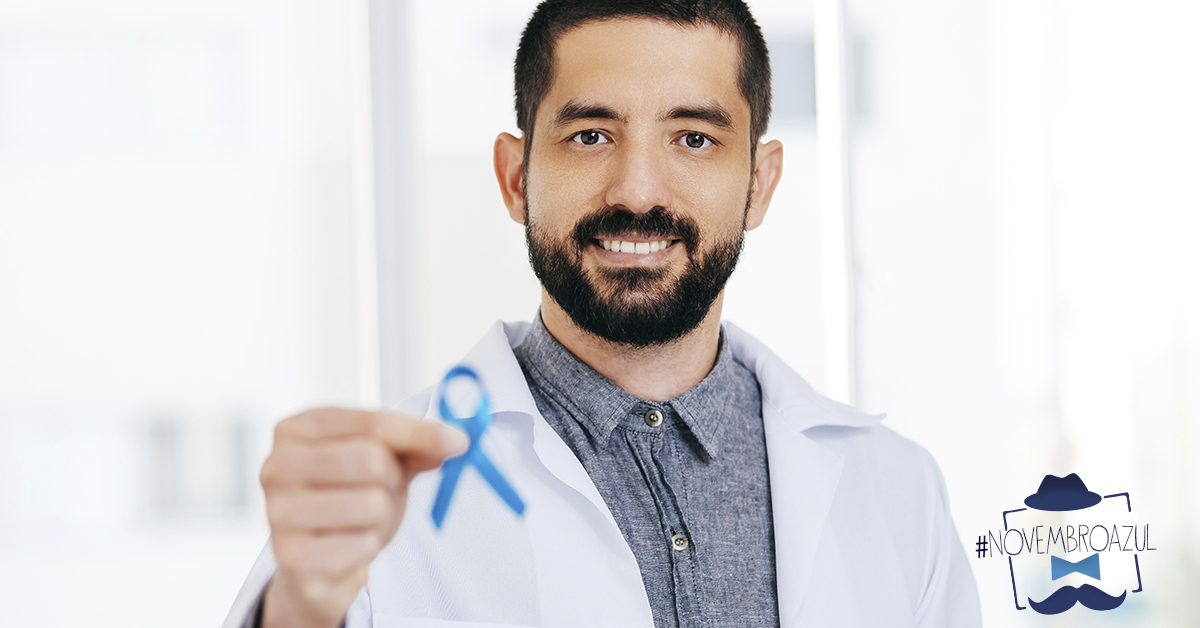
x: 685, y: 479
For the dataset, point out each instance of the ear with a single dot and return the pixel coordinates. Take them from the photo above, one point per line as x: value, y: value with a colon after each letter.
x: 768, y: 167
x: 507, y: 156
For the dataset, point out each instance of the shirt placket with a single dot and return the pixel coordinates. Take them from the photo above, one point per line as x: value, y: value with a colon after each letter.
x: 666, y: 486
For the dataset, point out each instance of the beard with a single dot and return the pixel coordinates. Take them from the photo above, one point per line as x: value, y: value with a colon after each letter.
x: 637, y: 307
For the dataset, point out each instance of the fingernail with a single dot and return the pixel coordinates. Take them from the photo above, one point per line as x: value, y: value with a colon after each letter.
x: 454, y: 441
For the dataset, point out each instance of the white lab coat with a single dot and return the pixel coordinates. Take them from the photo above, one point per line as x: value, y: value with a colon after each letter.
x: 863, y: 535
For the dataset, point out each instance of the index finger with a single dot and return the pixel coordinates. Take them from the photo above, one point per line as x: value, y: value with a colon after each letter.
x: 415, y: 437
x: 327, y: 423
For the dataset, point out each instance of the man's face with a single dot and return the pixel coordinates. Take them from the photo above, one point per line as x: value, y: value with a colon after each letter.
x: 638, y: 179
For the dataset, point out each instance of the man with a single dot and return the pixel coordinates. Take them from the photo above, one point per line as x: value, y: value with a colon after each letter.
x: 676, y: 472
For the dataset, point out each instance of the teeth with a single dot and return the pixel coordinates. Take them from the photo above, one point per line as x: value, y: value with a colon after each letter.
x: 639, y: 248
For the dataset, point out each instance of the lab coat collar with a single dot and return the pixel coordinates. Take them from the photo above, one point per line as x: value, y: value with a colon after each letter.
x: 510, y: 400
x: 804, y: 473
x: 492, y: 358
x: 787, y: 392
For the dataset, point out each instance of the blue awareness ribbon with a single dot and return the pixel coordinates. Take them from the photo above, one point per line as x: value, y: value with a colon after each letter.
x: 474, y: 427
x: 1089, y: 566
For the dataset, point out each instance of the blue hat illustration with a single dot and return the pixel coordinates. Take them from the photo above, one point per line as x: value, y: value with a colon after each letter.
x: 1060, y: 494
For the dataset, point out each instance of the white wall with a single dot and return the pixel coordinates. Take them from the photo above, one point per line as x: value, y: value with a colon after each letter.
x: 176, y: 274
x: 1025, y: 219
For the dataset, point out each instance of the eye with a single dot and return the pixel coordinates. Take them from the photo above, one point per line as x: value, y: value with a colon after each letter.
x: 589, y: 138
x: 696, y: 140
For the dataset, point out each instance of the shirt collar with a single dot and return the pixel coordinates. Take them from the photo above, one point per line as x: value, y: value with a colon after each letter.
x: 601, y: 405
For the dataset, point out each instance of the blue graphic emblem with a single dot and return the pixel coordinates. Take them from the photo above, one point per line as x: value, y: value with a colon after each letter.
x: 1101, y: 533
x: 1089, y: 596
x: 1062, y: 494
x: 1066, y: 494
x: 1089, y: 567
x: 474, y: 427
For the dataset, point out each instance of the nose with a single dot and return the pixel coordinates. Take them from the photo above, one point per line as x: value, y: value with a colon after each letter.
x: 639, y: 182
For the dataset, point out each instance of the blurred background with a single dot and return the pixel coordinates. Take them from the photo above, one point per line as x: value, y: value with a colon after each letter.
x: 215, y: 214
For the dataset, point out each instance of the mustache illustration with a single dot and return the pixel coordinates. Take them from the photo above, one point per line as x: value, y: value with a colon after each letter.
x: 1066, y: 597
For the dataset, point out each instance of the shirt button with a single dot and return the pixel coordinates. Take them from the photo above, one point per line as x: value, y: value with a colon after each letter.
x: 653, y: 418
x: 679, y: 542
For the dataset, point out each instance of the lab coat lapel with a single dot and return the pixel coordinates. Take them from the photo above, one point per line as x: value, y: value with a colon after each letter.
x: 616, y: 579
x: 492, y: 357
x: 804, y: 477
x: 804, y: 474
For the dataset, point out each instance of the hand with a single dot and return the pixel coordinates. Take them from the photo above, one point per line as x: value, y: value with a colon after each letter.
x: 335, y: 484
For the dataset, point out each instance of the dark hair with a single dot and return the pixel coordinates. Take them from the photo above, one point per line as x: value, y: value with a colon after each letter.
x: 534, y: 67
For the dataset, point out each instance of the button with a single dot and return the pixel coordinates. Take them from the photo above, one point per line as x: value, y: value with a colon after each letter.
x: 679, y: 542
x: 653, y: 418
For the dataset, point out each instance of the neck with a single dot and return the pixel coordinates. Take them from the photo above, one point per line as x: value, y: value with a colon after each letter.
x: 653, y: 373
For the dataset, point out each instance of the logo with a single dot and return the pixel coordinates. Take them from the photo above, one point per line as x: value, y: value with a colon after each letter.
x: 1069, y: 546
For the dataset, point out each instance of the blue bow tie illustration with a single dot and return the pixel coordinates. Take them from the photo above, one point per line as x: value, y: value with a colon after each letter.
x: 453, y: 468
x: 1089, y: 567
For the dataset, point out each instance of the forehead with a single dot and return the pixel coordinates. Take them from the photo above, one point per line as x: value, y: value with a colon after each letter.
x: 648, y: 66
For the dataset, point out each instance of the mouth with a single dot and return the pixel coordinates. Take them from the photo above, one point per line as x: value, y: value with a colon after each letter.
x: 623, y: 238
x: 634, y: 249
x: 635, y: 246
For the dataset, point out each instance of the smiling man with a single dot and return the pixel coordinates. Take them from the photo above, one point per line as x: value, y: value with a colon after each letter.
x: 676, y: 472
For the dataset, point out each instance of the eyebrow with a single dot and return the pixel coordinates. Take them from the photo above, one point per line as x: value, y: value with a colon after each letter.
x: 575, y: 110
x: 711, y: 113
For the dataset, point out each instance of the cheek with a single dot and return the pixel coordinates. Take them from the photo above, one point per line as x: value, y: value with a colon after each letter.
x: 715, y: 199
x: 559, y: 173
x: 559, y: 196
